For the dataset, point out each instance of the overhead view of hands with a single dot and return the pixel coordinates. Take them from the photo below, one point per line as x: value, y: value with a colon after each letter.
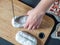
x: 34, y: 19
x: 35, y: 15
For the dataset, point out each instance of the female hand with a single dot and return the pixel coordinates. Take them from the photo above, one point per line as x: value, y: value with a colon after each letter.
x: 34, y: 19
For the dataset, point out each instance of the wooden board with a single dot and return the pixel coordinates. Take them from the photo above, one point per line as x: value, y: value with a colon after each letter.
x: 8, y: 32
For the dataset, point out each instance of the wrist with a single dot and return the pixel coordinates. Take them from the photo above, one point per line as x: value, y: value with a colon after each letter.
x: 40, y: 9
x: 41, y: 12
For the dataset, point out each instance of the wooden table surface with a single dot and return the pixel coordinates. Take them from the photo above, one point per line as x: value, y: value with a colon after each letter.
x: 8, y: 32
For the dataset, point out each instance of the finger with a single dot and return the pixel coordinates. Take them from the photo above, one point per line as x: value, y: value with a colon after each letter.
x: 38, y: 25
x: 30, y: 27
x: 26, y: 25
x: 33, y: 28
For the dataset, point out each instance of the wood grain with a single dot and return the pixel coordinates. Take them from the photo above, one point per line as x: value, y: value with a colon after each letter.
x: 8, y: 32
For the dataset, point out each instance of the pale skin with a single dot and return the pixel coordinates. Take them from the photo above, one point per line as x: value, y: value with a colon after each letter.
x: 36, y: 15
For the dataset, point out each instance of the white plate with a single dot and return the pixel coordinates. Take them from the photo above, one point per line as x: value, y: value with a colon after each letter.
x: 19, y: 21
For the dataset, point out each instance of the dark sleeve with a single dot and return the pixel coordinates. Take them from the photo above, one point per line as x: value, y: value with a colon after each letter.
x: 31, y: 3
